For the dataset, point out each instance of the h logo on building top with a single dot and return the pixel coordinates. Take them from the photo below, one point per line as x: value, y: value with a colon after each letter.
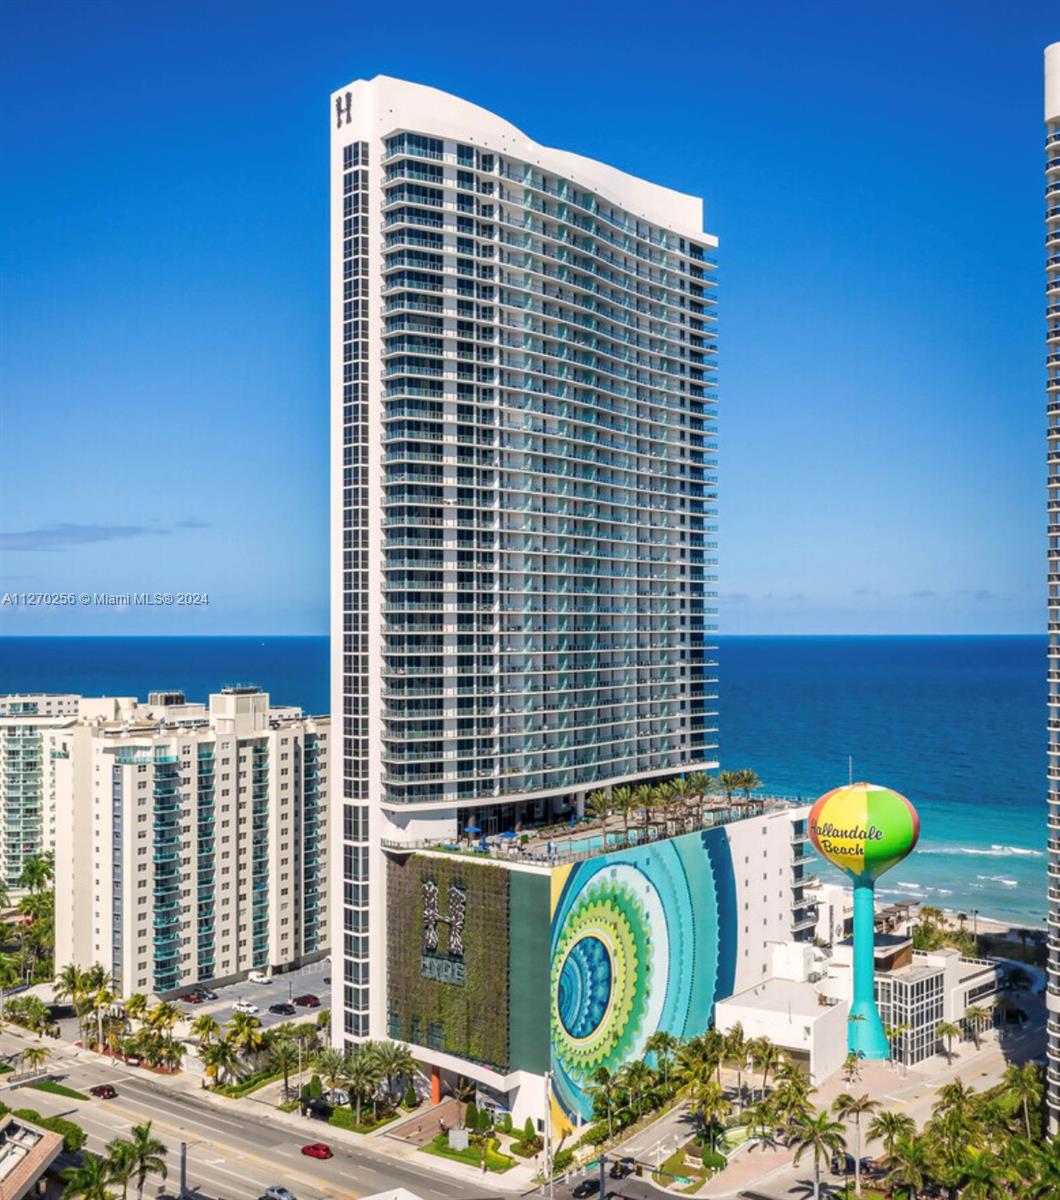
x: 342, y: 109
x: 432, y: 918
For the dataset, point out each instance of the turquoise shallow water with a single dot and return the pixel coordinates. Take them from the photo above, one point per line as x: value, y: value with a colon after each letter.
x: 956, y: 724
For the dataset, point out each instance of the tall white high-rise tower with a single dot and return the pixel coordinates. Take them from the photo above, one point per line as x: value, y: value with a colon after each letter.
x: 523, y: 492
x: 1052, y: 340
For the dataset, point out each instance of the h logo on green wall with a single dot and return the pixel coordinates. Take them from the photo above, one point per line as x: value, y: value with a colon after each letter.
x: 447, y: 967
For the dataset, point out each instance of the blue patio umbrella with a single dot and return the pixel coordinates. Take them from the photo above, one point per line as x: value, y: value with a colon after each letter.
x: 507, y: 834
x: 482, y: 844
x: 472, y: 829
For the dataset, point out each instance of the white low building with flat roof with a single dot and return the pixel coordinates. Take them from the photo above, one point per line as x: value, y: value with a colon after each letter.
x: 791, y: 1011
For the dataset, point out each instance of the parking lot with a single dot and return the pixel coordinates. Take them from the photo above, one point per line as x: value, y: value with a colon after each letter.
x: 307, y: 981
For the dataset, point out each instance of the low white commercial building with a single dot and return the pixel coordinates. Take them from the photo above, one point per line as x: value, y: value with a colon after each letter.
x: 190, y: 839
x: 916, y: 990
x: 790, y: 1010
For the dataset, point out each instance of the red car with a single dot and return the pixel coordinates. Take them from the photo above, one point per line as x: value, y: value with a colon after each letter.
x: 104, y: 1091
x: 317, y: 1150
x: 307, y: 1001
x: 192, y: 998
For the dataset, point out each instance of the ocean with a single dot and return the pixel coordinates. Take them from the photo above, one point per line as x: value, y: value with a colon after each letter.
x: 956, y: 724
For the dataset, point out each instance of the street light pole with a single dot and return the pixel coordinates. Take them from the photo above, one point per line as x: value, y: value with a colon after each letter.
x: 184, y: 1193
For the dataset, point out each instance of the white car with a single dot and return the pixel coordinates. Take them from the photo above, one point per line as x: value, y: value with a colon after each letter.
x: 338, y: 1097
x: 259, y: 977
x: 277, y: 1193
x: 244, y: 1006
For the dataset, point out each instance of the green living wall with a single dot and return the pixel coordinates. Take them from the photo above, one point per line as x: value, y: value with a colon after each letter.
x: 468, y: 1019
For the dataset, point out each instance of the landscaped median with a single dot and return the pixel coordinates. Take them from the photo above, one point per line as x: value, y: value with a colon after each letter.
x: 472, y: 1156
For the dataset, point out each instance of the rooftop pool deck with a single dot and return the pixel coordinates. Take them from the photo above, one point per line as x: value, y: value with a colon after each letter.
x: 589, y: 837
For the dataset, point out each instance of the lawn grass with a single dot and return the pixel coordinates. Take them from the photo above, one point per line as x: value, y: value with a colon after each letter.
x: 677, y: 1164
x: 57, y: 1089
x: 469, y: 1157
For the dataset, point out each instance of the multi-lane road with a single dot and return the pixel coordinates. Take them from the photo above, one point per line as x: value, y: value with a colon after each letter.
x: 231, y: 1155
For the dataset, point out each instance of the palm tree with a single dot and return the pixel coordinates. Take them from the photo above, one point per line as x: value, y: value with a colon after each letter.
x: 162, y: 1018
x: 245, y: 1033
x: 749, y: 782
x: 9, y: 975
x: 361, y: 1074
x: 822, y: 1137
x: 736, y: 1049
x: 220, y: 1059
x: 205, y: 1029
x: 598, y: 804
x: 34, y: 1057
x: 91, y: 1179
x: 636, y: 1078
x: 791, y: 1097
x: 283, y: 1057
x: 331, y: 1064
x: 644, y: 799
x: 847, y: 1107
x: 135, y: 1006
x: 662, y: 1045
x: 711, y: 1105
x: 910, y: 1166
x: 730, y: 782
x: 395, y: 1061
x: 765, y: 1057
x: 37, y: 872
x: 947, y: 1031
x: 120, y: 1160
x: 976, y: 1016
x: 71, y: 984
x: 100, y: 1000
x: 1024, y: 1086
x: 148, y: 1156
x: 700, y: 784
x: 622, y: 802
x: 761, y: 1124
x: 889, y: 1126
x: 681, y: 791
x: 606, y: 1088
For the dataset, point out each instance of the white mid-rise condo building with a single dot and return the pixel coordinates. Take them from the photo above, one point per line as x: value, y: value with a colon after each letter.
x: 189, y: 839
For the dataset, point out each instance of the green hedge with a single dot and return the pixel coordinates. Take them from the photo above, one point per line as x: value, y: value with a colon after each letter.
x: 74, y: 1137
x: 563, y: 1159
x: 251, y: 1084
x: 58, y: 1089
x: 345, y: 1118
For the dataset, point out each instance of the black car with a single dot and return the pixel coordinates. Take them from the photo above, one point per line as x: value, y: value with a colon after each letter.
x: 320, y: 1109
x: 206, y: 993
x: 283, y: 1008
x: 104, y: 1091
x: 587, y: 1187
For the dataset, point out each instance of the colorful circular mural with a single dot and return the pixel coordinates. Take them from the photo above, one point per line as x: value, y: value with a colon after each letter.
x: 642, y: 939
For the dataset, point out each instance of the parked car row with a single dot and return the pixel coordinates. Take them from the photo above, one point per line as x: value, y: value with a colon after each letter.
x: 198, y: 995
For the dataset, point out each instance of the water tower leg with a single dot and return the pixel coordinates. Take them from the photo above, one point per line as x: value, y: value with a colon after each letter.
x: 865, y: 1037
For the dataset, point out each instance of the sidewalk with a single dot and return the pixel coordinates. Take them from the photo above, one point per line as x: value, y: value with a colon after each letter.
x: 518, y: 1179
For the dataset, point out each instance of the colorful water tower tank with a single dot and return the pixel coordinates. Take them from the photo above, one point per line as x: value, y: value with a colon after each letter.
x: 864, y: 830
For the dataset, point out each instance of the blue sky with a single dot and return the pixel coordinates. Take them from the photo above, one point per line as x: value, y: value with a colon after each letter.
x: 874, y: 173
